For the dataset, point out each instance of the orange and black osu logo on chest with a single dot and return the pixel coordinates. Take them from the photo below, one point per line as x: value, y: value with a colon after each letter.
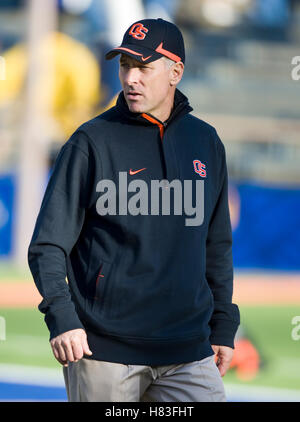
x: 138, y: 31
x: 200, y: 168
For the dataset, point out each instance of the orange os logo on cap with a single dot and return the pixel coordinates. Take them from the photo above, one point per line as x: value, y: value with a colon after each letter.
x: 136, y: 31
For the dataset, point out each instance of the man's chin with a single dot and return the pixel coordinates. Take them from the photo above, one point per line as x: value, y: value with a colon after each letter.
x: 135, y: 108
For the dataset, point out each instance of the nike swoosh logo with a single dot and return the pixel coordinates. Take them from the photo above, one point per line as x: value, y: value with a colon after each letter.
x: 131, y: 172
x: 145, y: 58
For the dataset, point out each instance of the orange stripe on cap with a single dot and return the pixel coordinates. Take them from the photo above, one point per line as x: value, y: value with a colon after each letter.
x: 129, y: 51
x: 156, y: 122
x: 133, y: 52
x: 167, y: 53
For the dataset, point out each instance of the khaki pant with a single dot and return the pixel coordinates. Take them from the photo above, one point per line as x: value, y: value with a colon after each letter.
x: 100, y: 381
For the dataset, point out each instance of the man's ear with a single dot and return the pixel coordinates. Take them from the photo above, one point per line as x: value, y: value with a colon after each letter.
x: 176, y: 73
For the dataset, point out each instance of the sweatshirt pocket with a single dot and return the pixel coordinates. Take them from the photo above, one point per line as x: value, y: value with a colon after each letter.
x: 101, y: 288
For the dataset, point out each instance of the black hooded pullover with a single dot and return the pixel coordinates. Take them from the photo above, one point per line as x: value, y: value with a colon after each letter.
x: 150, y: 285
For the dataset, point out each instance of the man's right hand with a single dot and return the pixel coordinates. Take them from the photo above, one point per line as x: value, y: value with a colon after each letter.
x: 70, y: 346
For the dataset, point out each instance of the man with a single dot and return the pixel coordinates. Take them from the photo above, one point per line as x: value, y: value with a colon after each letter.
x: 148, y: 303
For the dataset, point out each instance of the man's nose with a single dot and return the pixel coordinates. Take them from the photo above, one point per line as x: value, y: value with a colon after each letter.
x: 132, y: 75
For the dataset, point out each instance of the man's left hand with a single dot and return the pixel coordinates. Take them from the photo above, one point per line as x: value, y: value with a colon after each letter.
x: 223, y: 358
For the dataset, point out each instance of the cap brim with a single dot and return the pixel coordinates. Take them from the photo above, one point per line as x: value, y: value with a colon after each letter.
x: 142, y: 54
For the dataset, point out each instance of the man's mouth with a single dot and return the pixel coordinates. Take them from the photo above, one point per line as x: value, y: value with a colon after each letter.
x: 132, y: 95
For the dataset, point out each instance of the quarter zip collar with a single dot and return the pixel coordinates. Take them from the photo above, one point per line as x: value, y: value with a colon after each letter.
x: 180, y: 108
x: 155, y: 121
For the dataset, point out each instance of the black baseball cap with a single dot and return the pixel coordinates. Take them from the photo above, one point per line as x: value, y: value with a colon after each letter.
x: 150, y: 39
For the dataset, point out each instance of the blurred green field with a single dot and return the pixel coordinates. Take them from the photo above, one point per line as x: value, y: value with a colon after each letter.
x: 270, y: 327
x: 27, y: 343
x: 10, y: 272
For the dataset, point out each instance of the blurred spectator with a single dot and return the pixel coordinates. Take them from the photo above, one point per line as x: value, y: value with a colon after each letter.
x: 76, y: 95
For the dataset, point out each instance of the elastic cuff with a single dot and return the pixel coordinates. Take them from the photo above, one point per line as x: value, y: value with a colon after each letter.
x: 61, y: 320
x: 223, y: 332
